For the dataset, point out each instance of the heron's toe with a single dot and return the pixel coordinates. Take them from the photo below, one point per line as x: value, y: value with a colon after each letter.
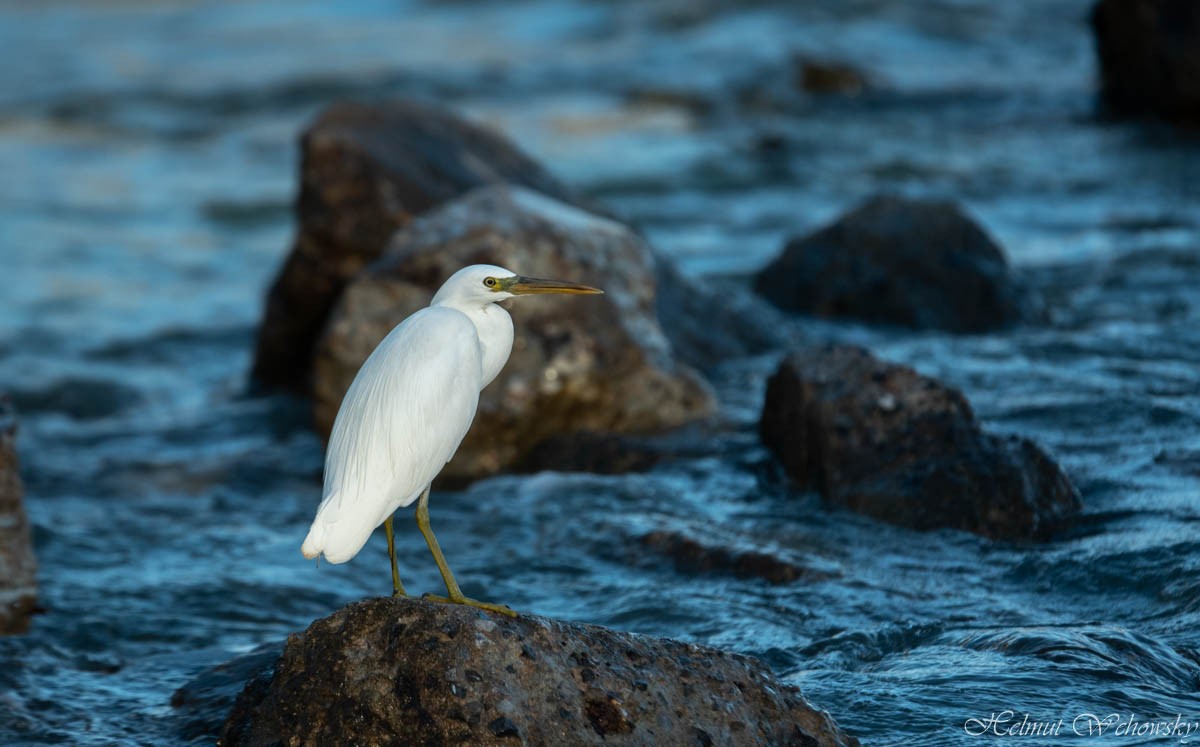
x: 500, y: 608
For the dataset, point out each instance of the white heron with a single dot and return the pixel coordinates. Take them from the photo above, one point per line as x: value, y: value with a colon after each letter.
x: 408, y: 409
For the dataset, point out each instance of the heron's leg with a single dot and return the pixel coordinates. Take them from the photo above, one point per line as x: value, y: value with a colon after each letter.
x: 397, y: 587
x: 454, y: 594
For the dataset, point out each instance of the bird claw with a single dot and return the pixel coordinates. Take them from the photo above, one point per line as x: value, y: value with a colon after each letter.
x: 500, y: 608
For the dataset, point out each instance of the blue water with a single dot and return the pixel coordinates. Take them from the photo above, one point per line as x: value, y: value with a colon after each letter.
x: 148, y: 152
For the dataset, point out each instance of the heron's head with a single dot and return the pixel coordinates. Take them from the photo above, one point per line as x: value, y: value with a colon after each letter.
x: 486, y: 284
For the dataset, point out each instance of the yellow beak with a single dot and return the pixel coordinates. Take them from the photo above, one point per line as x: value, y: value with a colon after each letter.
x: 523, y: 286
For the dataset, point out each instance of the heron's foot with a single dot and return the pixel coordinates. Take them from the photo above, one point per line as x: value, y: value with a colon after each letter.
x: 458, y: 599
x: 399, y: 592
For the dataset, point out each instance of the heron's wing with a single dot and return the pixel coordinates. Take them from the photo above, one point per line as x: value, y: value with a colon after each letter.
x: 402, y: 419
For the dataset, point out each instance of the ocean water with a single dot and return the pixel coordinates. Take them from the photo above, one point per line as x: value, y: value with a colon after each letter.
x: 149, y: 162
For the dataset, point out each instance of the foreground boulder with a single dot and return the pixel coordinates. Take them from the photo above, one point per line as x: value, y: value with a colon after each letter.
x: 404, y: 671
x: 365, y: 171
x: 1149, y: 52
x: 894, y: 260
x: 18, y: 569
x: 596, y: 363
x: 882, y: 440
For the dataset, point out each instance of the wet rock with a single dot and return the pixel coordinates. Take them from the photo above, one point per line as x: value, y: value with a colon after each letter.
x: 1149, y: 53
x: 894, y: 260
x: 405, y: 671
x: 882, y: 440
x: 599, y: 364
x: 18, y: 568
x: 827, y: 76
x: 367, y: 170
x: 693, y: 555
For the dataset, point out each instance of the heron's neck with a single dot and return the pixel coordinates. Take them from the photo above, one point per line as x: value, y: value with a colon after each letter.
x: 495, y: 329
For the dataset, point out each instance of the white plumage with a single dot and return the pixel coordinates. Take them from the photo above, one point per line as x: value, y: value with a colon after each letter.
x: 401, y: 420
x: 411, y: 404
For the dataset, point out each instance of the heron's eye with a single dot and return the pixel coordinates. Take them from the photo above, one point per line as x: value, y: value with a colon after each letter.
x: 490, y: 282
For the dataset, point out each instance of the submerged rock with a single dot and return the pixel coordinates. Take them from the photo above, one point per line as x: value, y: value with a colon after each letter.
x: 405, y: 671
x: 79, y: 397
x: 828, y: 76
x: 894, y: 260
x: 18, y: 568
x: 599, y: 363
x: 367, y: 170
x: 698, y: 555
x: 202, y: 705
x: 1149, y: 53
x: 882, y: 440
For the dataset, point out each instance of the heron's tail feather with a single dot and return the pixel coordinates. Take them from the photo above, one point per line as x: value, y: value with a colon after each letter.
x: 327, y: 515
x: 314, y: 543
x: 335, y: 533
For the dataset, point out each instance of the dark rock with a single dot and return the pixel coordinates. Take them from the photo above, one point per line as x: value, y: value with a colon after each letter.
x: 203, y: 704
x: 405, y: 671
x: 822, y: 76
x: 599, y: 364
x: 692, y: 555
x: 367, y: 170
x: 1149, y: 52
x: 893, y: 260
x: 18, y: 568
x: 882, y: 440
